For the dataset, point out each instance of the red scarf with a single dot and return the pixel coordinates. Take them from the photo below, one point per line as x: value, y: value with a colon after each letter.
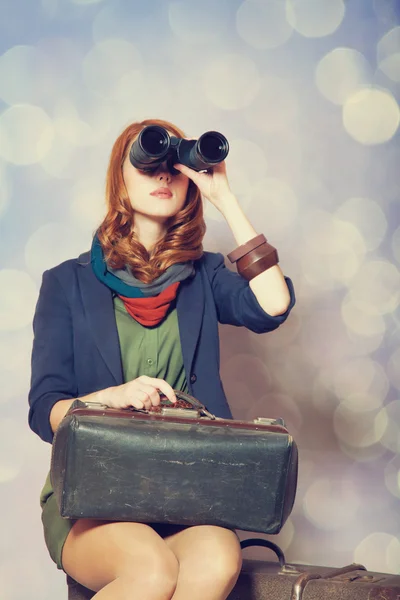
x: 152, y: 310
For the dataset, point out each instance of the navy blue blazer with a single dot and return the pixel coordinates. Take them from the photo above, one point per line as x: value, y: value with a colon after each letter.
x: 76, y: 347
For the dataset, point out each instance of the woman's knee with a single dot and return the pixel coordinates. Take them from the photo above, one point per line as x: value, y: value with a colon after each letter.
x: 227, y: 560
x: 97, y: 553
x: 158, y: 572
x: 220, y: 554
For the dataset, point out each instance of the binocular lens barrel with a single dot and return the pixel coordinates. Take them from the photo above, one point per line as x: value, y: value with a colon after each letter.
x: 213, y: 147
x: 154, y: 141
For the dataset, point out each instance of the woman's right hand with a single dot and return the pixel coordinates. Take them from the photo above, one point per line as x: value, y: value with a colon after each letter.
x: 142, y: 392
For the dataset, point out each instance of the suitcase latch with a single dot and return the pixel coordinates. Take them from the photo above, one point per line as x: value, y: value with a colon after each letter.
x: 96, y: 405
x: 184, y: 413
x: 265, y: 421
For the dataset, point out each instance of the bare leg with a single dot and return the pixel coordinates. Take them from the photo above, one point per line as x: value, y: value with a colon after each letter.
x: 210, y: 560
x: 120, y: 560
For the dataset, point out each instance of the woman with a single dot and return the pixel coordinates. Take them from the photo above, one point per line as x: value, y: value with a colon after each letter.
x: 136, y: 315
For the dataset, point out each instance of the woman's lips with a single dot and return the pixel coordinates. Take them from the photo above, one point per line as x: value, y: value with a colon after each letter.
x: 162, y: 193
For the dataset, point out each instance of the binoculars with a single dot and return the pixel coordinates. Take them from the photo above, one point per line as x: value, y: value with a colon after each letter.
x: 154, y: 145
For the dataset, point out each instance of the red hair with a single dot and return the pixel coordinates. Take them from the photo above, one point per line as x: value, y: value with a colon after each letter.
x: 185, y: 231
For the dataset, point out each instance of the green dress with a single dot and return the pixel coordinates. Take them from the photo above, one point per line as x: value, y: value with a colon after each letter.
x: 153, y: 351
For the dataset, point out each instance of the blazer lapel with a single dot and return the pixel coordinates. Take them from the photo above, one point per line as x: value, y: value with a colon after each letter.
x: 190, y: 308
x: 99, y: 310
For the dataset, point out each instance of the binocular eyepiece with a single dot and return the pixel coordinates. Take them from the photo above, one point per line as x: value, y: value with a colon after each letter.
x: 154, y: 145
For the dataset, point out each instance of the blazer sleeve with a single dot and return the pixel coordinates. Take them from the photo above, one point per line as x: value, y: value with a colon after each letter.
x: 52, y: 375
x: 236, y: 302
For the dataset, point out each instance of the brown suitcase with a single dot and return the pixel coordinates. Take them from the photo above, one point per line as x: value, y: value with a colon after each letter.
x: 174, y: 465
x: 262, y: 580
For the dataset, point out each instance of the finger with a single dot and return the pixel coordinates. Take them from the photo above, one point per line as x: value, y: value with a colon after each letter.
x: 167, y: 390
x: 151, y: 392
x: 191, y: 173
x: 160, y: 384
x: 136, y: 403
x: 183, y: 169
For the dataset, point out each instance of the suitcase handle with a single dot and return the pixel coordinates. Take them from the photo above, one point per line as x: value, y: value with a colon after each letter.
x: 194, y: 403
x: 267, y: 544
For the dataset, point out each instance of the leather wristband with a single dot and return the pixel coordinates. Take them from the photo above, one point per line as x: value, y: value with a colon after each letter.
x: 245, y: 248
x: 257, y: 261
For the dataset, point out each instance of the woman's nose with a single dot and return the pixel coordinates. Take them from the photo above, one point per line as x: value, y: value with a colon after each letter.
x: 163, y: 169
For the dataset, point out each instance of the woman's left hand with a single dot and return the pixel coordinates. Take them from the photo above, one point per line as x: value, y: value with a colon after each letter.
x: 213, y: 185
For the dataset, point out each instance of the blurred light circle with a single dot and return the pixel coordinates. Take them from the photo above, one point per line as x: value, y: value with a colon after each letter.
x: 364, y: 454
x: 26, y: 134
x: 359, y: 429
x: 361, y: 383
x: 198, y: 22
x: 342, y: 72
x: 17, y: 74
x: 50, y: 245
x: 324, y: 233
x: 77, y: 131
x: 315, y: 18
x: 362, y: 345
x: 391, y: 436
x: 393, y: 556
x: 396, y: 244
x: 57, y: 162
x: 376, y: 287
x: 246, y: 160
x: 371, y: 116
x: 332, y: 250
x: 360, y: 322
x: 263, y: 24
x: 278, y: 205
x: 392, y: 476
x: 388, y: 54
x: 281, y: 99
x: 231, y: 81
x: 88, y: 204
x: 330, y: 504
x: 328, y: 272
x: 17, y: 300
x: 393, y: 368
x: 107, y: 62
x: 374, y: 550
x: 368, y: 217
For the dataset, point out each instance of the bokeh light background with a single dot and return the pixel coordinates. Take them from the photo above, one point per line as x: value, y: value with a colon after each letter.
x: 307, y: 93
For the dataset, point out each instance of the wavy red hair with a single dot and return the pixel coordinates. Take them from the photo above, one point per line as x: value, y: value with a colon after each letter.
x: 185, y: 231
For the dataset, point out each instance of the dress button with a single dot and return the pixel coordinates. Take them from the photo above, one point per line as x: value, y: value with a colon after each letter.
x: 150, y: 362
x: 193, y: 378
